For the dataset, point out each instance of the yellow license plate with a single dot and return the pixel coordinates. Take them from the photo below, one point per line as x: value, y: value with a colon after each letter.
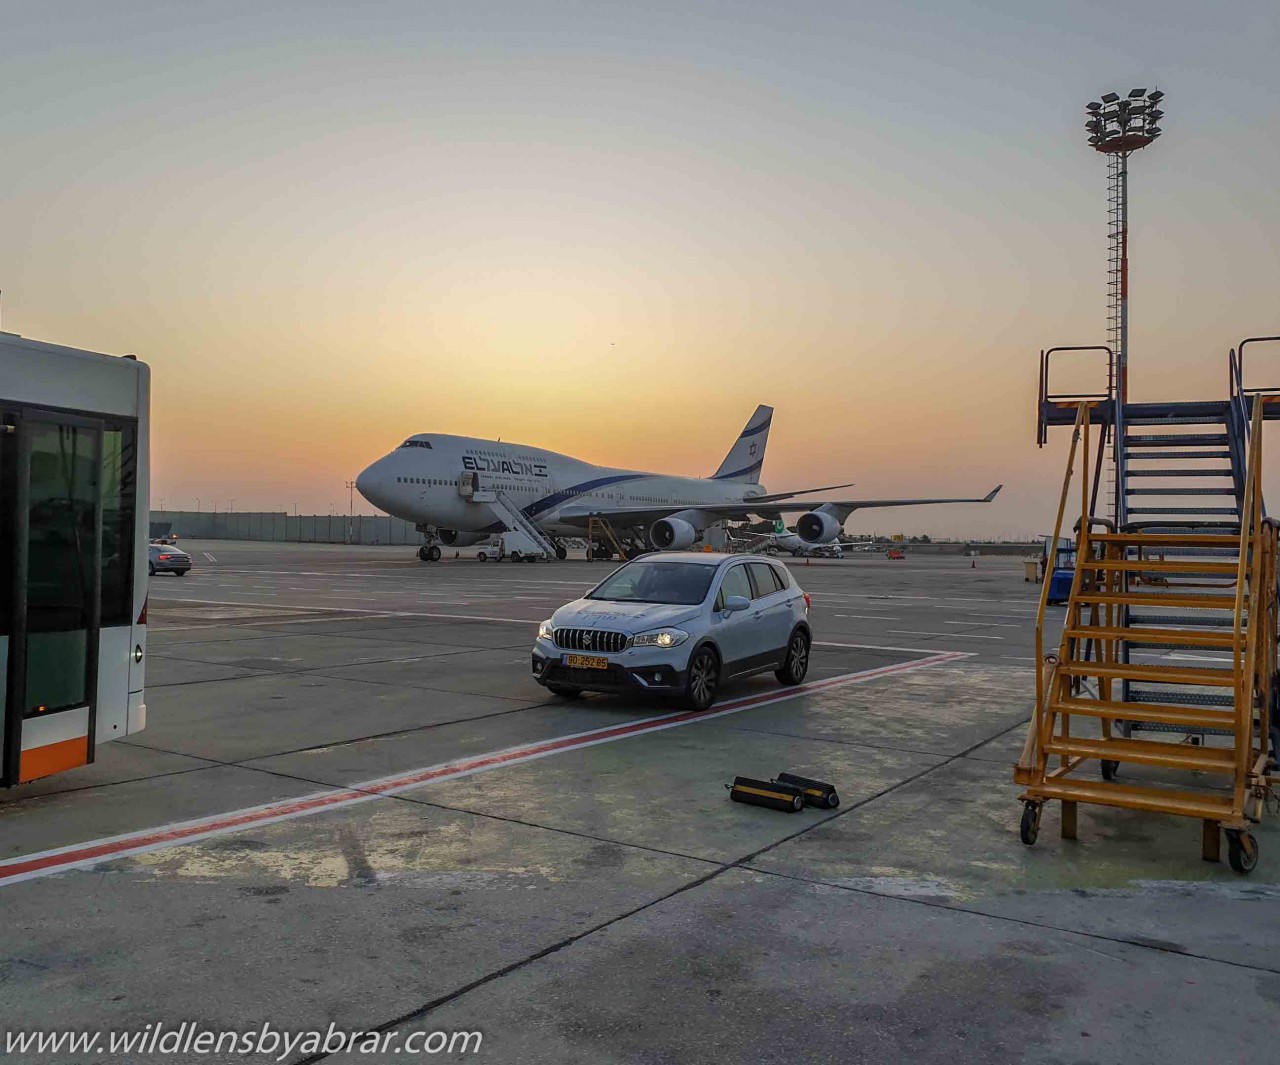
x: 585, y: 662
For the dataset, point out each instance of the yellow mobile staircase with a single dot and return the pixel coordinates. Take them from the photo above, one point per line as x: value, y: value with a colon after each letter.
x: 1142, y: 588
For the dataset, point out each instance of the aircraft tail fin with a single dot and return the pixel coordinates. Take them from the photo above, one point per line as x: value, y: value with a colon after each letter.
x: 746, y: 457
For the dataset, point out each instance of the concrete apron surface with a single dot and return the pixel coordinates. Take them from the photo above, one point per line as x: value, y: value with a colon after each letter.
x: 605, y: 902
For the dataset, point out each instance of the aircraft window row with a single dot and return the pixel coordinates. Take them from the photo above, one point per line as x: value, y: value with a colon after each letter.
x: 422, y: 480
x: 416, y: 443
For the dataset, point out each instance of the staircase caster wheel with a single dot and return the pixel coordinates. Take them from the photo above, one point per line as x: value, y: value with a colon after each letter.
x: 562, y: 552
x: 515, y: 556
x: 1029, y: 830
x: 1109, y: 768
x: 433, y: 553
x: 1242, y: 851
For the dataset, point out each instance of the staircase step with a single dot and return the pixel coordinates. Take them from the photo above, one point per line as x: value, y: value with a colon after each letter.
x: 1189, y: 419
x: 1154, y: 800
x: 1181, y: 695
x: 1224, y: 490
x: 1171, y: 637
x: 1176, y: 439
x: 1174, y: 716
x: 1212, y: 678
x: 1151, y: 565
x: 1179, y: 455
x: 1172, y: 510
x: 1177, y: 473
x: 1180, y: 619
x: 1175, y: 599
x: 1167, y: 539
x: 1147, y: 752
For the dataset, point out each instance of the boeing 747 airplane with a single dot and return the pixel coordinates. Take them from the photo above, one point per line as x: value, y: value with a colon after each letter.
x: 458, y: 490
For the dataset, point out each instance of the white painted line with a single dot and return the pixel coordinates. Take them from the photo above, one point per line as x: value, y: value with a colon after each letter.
x: 354, y: 610
x: 887, y: 647
x: 949, y: 635
x: 209, y: 557
x: 984, y: 624
x: 869, y: 617
x: 86, y: 855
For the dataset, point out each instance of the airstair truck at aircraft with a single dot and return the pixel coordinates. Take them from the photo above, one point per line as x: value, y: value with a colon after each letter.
x: 73, y: 554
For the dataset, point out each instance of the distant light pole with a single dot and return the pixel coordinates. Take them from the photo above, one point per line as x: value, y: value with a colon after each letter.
x: 1118, y: 127
x: 231, y: 505
x: 197, y: 504
x: 351, y: 506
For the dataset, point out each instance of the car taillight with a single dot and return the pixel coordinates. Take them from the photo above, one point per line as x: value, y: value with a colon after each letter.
x: 164, y: 558
x: 808, y: 603
x: 142, y: 618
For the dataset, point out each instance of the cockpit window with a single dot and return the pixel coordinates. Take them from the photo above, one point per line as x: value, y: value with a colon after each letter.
x: 416, y: 443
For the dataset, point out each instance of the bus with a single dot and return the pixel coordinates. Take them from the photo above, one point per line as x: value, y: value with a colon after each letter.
x: 73, y: 554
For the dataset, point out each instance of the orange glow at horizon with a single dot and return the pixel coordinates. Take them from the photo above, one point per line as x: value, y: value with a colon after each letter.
x: 612, y: 233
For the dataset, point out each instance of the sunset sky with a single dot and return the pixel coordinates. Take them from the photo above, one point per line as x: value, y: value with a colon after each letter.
x: 611, y: 229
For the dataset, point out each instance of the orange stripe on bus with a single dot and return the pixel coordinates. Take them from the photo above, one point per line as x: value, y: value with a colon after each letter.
x: 53, y: 758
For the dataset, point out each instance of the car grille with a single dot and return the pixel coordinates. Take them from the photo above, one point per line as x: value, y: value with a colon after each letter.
x: 591, y: 640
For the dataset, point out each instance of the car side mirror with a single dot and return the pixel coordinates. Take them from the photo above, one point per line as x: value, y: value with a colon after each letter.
x: 736, y: 602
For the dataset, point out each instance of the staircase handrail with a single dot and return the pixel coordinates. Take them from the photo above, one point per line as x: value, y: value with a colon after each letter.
x: 1248, y: 574
x: 1079, y: 429
x: 1237, y: 364
x: 1046, y: 396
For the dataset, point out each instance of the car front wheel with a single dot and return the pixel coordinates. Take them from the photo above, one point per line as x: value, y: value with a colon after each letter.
x: 796, y: 664
x: 704, y: 676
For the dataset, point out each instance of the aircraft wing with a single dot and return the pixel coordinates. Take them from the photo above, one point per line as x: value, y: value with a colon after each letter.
x: 764, y: 506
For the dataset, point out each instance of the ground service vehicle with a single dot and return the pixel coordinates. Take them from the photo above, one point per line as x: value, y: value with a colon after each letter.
x: 73, y: 554
x: 678, y: 624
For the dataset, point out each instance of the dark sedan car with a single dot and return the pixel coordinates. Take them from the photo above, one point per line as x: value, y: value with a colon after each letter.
x: 164, y: 559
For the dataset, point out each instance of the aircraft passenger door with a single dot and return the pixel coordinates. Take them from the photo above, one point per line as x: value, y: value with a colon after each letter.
x: 51, y: 556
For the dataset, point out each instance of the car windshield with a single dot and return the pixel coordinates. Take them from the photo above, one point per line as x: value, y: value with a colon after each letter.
x: 677, y: 583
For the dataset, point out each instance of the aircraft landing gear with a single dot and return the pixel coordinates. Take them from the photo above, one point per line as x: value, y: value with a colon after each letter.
x: 429, y: 553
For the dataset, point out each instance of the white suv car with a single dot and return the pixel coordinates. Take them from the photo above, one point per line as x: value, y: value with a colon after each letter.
x: 677, y: 624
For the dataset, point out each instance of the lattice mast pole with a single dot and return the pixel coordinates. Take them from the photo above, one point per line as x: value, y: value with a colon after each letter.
x: 1118, y: 127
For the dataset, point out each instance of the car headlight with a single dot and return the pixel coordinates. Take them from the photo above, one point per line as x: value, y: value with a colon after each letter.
x: 546, y: 632
x: 660, y: 638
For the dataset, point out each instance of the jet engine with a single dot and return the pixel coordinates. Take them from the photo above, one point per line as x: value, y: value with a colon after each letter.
x: 454, y: 538
x: 672, y: 534
x: 817, y: 527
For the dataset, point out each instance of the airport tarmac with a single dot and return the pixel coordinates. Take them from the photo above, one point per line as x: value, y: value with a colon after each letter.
x: 353, y: 806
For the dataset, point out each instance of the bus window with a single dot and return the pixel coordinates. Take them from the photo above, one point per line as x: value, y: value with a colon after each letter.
x: 60, y: 577
x: 119, y: 518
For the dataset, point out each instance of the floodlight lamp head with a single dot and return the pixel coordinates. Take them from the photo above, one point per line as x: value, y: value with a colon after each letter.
x: 1136, y: 94
x: 1094, y: 106
x: 1110, y: 98
x: 1155, y: 96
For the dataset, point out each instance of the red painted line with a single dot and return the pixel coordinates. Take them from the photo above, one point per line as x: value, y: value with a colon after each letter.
x: 84, y: 855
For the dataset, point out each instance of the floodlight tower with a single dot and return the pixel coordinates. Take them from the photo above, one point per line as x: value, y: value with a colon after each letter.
x: 1118, y: 127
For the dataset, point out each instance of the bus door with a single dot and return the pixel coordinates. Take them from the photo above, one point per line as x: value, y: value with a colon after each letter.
x: 50, y: 590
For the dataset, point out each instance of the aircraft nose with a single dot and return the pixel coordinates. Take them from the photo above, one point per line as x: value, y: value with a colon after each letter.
x: 370, y: 483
